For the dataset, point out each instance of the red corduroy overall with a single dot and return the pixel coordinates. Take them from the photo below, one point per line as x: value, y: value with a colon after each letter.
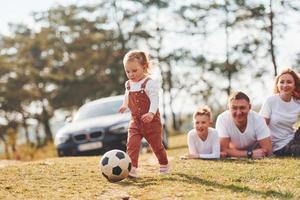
x: 139, y: 103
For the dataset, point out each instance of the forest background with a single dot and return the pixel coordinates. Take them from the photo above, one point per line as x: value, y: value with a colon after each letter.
x: 202, y: 51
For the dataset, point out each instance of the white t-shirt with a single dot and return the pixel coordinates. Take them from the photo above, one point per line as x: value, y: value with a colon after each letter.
x: 283, y: 115
x: 210, y: 148
x: 256, y: 129
x: 151, y: 89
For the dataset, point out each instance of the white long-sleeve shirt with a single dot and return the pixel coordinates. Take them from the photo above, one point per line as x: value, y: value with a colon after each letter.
x: 151, y: 89
x: 208, y: 149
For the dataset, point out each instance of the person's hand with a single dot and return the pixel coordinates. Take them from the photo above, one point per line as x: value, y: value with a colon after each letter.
x: 189, y: 156
x: 192, y: 156
x: 184, y: 157
x: 259, y: 153
x: 223, y: 154
x: 296, y: 94
x: 148, y: 117
x: 122, y: 109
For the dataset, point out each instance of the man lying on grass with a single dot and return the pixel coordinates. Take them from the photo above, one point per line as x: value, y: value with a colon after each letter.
x: 242, y: 132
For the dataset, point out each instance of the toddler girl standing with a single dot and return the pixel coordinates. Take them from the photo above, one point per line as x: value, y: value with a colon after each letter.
x: 141, y: 97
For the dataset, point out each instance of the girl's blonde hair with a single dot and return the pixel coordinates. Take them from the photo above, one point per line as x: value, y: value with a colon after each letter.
x: 140, y: 56
x: 202, y: 111
x: 295, y: 76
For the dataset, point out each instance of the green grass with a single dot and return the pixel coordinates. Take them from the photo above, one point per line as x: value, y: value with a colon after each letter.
x: 80, y: 178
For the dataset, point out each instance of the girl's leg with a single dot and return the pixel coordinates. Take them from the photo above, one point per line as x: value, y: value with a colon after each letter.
x: 133, y: 146
x: 155, y: 141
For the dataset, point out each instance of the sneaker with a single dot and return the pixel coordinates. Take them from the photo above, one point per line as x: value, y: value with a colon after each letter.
x: 164, y: 169
x: 133, y: 173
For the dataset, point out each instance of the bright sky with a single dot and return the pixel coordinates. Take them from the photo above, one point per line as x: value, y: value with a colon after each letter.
x: 19, y: 10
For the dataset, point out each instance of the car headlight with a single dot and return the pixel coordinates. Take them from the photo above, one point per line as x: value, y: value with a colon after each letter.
x: 60, y: 139
x: 119, y: 128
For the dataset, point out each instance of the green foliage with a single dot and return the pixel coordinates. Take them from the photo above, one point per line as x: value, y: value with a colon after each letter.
x: 76, y: 56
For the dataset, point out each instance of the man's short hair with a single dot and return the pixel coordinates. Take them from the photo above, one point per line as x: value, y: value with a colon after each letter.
x: 239, y: 95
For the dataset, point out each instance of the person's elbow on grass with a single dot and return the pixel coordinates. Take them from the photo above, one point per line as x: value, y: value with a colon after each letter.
x: 223, y: 154
x: 189, y: 156
x: 268, y: 152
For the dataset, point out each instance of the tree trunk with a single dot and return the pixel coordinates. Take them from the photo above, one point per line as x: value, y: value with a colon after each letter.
x: 170, y: 86
x: 272, y: 46
x: 6, y: 151
x: 5, y: 146
x: 48, y: 132
x: 25, y: 126
x: 37, y: 135
x: 46, y: 125
x: 227, y: 65
x: 164, y: 113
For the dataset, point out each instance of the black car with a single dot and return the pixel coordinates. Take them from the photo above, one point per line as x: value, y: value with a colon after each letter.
x: 97, y: 127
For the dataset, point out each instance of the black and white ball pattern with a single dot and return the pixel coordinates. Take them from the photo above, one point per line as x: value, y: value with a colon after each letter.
x: 115, y: 165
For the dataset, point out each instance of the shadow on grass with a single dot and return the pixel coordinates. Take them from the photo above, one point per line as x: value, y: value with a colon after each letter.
x: 246, y: 161
x: 234, y: 188
x: 242, y: 161
x: 182, y: 178
x: 178, y: 147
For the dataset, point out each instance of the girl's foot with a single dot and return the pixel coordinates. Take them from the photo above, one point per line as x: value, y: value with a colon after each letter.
x: 164, y: 169
x: 133, y: 173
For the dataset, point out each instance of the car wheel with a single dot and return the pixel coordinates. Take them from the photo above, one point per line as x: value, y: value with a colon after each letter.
x: 60, y: 153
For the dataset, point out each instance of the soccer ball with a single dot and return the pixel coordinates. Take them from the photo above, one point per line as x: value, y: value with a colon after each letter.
x: 115, y: 165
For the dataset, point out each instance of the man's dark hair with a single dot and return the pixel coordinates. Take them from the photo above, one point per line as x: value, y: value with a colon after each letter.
x: 239, y: 95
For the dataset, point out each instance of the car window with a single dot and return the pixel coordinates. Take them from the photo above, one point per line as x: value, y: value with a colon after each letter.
x: 97, y: 110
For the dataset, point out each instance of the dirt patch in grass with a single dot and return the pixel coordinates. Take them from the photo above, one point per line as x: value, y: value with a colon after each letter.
x: 5, y: 163
x: 115, y: 192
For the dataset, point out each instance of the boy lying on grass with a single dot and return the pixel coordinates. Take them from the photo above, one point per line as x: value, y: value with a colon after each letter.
x: 203, y: 141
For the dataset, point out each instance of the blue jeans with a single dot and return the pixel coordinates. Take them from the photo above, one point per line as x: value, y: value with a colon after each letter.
x: 292, y: 148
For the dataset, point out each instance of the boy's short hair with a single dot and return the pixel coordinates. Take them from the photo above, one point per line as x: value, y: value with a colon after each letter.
x: 238, y: 95
x: 202, y: 111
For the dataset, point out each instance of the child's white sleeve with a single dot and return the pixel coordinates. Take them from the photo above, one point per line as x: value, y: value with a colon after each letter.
x: 191, y: 143
x: 125, y: 100
x: 152, y: 90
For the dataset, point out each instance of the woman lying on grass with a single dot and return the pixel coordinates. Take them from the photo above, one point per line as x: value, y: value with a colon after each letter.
x: 281, y: 112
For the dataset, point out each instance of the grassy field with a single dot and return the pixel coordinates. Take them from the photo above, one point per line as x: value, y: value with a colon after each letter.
x: 80, y: 178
